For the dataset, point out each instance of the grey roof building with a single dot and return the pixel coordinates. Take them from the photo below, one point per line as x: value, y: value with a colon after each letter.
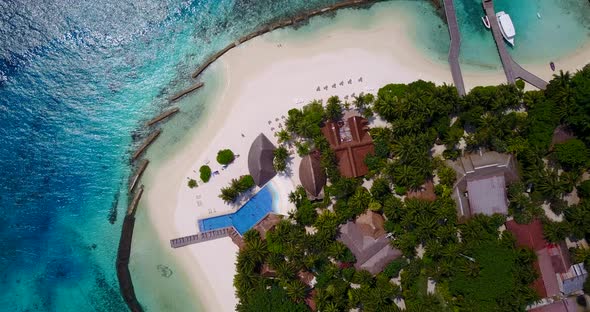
x: 481, y: 182
x: 260, y: 160
x: 365, y: 237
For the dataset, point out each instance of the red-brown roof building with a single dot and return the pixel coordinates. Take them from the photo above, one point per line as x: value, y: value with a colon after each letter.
x: 551, y: 258
x: 351, y: 142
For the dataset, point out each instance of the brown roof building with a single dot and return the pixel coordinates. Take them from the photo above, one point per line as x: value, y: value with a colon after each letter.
x: 260, y: 160
x: 351, y: 142
x: 365, y: 237
x: 552, y: 259
x: 425, y: 192
x: 312, y: 175
x: 265, y: 224
x: 481, y: 182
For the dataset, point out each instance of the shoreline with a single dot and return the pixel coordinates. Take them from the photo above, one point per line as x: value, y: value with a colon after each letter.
x: 279, y: 62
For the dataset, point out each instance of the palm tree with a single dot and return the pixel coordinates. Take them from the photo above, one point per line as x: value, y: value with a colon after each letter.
x: 549, y: 184
x: 406, y: 148
x: 296, y: 290
x: 404, y: 175
x: 471, y: 268
x: 577, y: 216
x: 283, y: 136
x: 245, y: 283
x: 246, y: 262
x: 582, y: 255
x: 257, y: 249
x: 359, y: 101
x: 563, y: 79
x: 360, y: 200
x: 337, y: 250
x: 555, y: 232
x: 251, y: 235
x: 285, y: 271
x: 426, y: 224
x: 330, y: 307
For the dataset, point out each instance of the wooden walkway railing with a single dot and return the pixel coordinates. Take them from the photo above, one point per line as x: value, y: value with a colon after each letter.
x: 202, y: 237
x: 511, y: 68
x: 455, y: 46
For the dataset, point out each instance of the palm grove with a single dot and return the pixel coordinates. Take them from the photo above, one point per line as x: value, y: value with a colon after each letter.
x: 475, y: 267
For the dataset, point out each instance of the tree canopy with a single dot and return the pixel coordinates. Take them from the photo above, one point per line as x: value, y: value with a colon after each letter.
x: 474, y: 266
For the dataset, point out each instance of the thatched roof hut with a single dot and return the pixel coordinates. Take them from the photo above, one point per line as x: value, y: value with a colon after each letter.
x: 312, y: 176
x: 260, y: 160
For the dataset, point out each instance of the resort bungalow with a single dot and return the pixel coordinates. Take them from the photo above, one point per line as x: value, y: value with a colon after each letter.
x: 351, y: 142
x: 260, y: 160
x: 481, y: 183
x: 557, y: 276
x: 312, y: 176
x: 365, y: 237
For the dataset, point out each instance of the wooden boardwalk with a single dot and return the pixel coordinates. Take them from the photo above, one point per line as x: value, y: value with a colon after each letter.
x: 202, y: 237
x: 455, y: 46
x: 512, y: 70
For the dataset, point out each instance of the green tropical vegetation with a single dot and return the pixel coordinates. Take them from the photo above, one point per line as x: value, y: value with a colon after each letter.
x: 205, y: 173
x: 473, y: 265
x: 236, y: 188
x: 192, y: 183
x: 281, y: 156
x: 225, y: 157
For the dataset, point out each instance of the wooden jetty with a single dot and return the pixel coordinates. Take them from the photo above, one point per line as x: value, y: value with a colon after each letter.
x: 455, y: 46
x: 202, y: 237
x: 162, y: 116
x: 138, y: 173
x: 133, y: 205
x: 145, y: 144
x: 122, y: 264
x: 277, y: 25
x: 512, y: 70
x: 186, y: 91
x: 124, y: 253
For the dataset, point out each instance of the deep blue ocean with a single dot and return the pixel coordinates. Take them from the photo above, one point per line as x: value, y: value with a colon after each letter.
x: 77, y: 81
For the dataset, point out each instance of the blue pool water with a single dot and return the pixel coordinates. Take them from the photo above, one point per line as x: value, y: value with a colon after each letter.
x: 245, y: 217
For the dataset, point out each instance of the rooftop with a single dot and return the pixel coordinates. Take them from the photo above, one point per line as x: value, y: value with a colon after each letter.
x: 481, y: 182
x: 551, y: 258
x: 365, y: 237
x: 260, y: 160
x: 351, y: 142
x: 311, y: 175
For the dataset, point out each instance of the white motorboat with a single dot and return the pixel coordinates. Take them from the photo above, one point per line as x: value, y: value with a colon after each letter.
x: 486, y: 22
x: 506, y: 27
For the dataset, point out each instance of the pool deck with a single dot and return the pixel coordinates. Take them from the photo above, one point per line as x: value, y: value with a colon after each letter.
x: 202, y: 237
x: 263, y: 225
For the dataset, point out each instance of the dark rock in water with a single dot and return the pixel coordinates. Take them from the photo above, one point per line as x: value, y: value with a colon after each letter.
x: 93, y: 246
x: 164, y: 270
x: 113, y: 211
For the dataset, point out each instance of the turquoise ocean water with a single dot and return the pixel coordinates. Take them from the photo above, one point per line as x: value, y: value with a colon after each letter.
x: 564, y: 27
x: 77, y: 80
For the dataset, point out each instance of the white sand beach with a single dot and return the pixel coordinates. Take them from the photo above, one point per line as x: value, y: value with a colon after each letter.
x: 263, y: 79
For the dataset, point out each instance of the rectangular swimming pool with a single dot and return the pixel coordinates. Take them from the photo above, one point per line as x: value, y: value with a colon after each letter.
x: 245, y: 217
